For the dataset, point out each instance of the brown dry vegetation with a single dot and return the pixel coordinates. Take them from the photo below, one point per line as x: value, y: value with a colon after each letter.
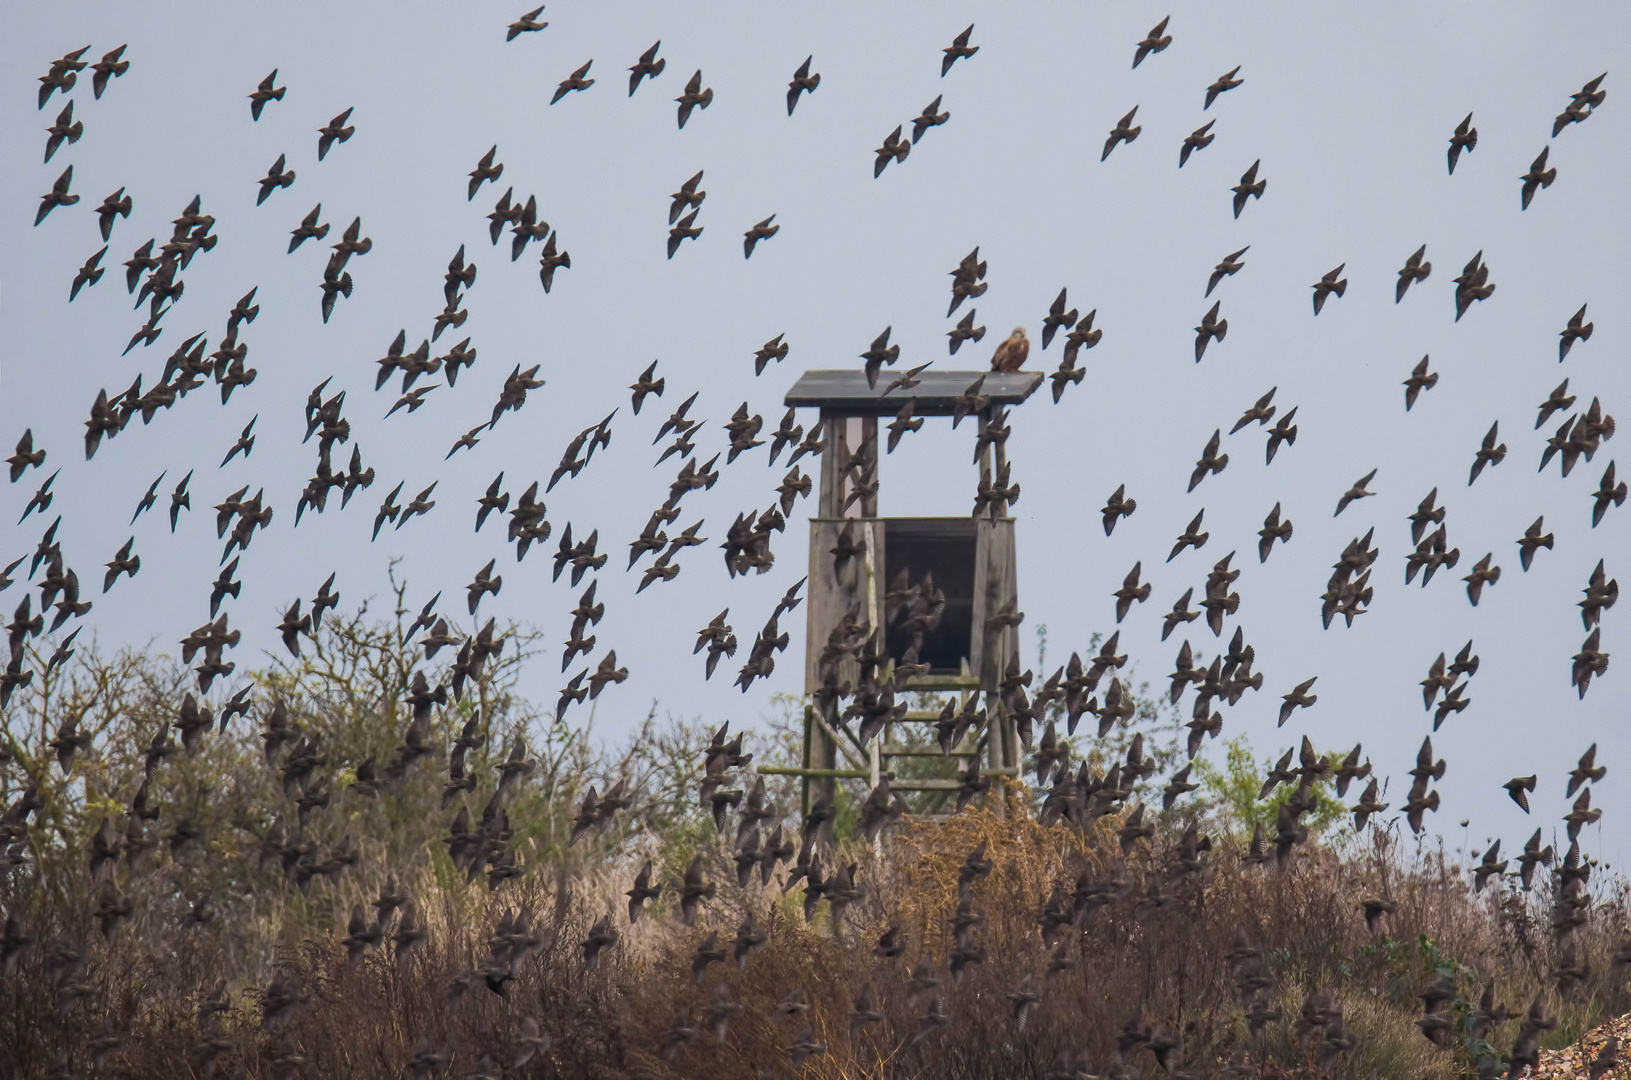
x: 233, y: 904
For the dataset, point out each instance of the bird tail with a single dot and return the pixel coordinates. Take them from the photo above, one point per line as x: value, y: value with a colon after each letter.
x: 1222, y: 329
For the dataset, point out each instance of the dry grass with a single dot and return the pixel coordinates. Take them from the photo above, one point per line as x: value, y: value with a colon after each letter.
x: 1158, y: 952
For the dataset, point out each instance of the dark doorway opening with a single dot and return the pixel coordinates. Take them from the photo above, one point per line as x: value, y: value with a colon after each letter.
x: 944, y: 548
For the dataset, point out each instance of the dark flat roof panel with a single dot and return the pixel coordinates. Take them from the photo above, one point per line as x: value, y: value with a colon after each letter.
x: 846, y: 391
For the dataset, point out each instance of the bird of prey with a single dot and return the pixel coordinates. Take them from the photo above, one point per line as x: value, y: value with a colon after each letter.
x: 1011, y: 353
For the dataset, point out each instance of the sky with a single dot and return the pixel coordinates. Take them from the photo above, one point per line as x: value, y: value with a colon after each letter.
x: 1349, y: 110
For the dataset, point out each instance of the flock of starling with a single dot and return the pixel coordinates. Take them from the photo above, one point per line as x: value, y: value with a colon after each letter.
x: 1079, y: 796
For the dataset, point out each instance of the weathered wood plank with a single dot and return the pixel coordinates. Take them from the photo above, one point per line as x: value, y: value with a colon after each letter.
x: 845, y: 391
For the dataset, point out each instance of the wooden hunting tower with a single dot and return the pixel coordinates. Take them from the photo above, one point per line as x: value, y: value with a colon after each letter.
x: 971, y: 559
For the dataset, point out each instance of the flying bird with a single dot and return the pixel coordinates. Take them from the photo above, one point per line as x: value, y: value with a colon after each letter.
x: 764, y: 230
x: 1211, y: 328
x: 1577, y: 330
x: 1227, y: 267
x: 1358, y: 491
x: 526, y: 24
x: 574, y: 81
x: 1225, y: 82
x: 1420, y: 379
x: 1538, y: 176
x: 893, y: 149
x: 928, y: 118
x: 485, y: 170
x: 958, y: 49
x: 1199, y: 139
x: 58, y: 196
x: 336, y: 130
x: 1250, y: 187
x: 1124, y: 131
x: 263, y: 93
x: 803, y: 83
x: 694, y: 97
x: 1465, y: 138
x: 1155, y: 41
x: 1331, y: 282
x: 276, y: 177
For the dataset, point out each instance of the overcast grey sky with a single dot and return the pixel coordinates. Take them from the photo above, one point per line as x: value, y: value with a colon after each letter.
x: 1348, y: 108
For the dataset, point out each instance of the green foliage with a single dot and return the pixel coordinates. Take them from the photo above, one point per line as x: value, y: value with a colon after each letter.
x: 1235, y: 785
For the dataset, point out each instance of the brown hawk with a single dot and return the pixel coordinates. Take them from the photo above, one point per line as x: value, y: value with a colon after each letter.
x: 1011, y: 354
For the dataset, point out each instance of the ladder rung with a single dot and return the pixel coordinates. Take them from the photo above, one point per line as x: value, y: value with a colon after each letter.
x: 969, y: 751
x: 941, y: 785
x: 794, y: 770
